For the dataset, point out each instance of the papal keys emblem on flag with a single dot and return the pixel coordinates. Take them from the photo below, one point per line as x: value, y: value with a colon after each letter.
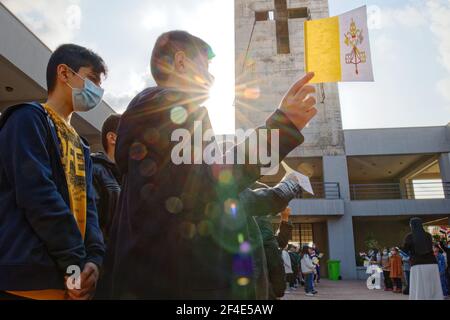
x: 353, y: 38
x: 338, y: 48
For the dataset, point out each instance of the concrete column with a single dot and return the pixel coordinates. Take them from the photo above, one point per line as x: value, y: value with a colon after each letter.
x: 341, y: 245
x: 340, y: 230
x: 335, y: 170
x: 444, y: 166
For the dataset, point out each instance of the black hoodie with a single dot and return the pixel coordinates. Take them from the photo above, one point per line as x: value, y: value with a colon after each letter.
x: 106, y: 183
x: 419, y: 244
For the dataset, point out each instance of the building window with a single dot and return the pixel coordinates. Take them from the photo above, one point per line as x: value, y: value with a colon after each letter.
x: 302, y: 233
x: 298, y: 13
x: 306, y: 233
x: 262, y: 15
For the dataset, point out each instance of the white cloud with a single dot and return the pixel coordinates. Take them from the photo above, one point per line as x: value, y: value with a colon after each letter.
x: 443, y: 87
x: 409, y: 16
x: 73, y: 14
x: 439, y: 13
x: 433, y: 14
x: 55, y: 22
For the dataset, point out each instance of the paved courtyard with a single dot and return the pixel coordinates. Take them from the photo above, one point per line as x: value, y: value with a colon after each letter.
x: 344, y: 290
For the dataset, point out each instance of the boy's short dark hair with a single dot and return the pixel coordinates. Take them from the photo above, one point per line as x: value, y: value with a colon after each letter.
x: 75, y: 57
x: 168, y: 44
x: 110, y: 125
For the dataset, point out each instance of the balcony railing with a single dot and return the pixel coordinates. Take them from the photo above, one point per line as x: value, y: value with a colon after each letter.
x: 322, y: 190
x: 387, y: 191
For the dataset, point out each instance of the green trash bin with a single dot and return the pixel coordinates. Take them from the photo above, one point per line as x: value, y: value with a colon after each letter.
x: 334, y: 270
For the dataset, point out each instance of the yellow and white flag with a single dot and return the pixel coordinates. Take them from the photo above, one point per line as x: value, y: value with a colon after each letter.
x: 338, y: 48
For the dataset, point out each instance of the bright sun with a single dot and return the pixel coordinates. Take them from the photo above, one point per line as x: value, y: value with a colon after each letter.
x: 221, y: 102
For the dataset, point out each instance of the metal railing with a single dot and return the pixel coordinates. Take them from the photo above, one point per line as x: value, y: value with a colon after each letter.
x: 322, y: 190
x: 411, y: 191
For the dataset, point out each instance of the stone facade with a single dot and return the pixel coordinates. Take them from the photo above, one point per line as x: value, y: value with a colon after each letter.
x: 263, y: 75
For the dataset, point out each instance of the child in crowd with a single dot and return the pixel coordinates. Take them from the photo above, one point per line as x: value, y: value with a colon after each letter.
x: 308, y: 270
x: 386, y: 270
x: 287, y: 268
x: 395, y: 270
x: 442, y: 268
x: 406, y: 270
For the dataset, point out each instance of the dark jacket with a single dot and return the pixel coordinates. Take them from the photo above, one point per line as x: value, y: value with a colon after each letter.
x: 272, y: 245
x: 106, y: 189
x: 177, y: 230
x: 261, y: 201
x: 39, y: 237
x: 415, y: 258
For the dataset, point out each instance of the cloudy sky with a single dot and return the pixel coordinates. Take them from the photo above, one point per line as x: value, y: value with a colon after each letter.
x: 410, y: 42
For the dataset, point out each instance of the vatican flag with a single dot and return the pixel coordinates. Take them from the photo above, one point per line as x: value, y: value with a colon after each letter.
x: 338, y: 48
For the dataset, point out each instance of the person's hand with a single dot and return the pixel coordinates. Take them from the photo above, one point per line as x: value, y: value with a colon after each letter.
x: 285, y: 214
x: 88, y: 281
x: 297, y: 104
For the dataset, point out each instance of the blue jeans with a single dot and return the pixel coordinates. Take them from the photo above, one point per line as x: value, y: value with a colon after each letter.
x: 407, y: 275
x: 309, y: 282
x: 444, y: 284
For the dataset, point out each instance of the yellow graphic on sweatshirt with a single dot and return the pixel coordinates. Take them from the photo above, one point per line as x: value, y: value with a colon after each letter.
x: 72, y: 158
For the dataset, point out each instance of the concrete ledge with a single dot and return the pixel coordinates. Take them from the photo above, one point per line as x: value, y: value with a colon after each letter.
x: 395, y: 141
x: 398, y: 207
x: 317, y: 207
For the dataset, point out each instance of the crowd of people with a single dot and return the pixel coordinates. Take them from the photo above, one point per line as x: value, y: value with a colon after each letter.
x: 302, y: 267
x: 419, y: 268
x: 129, y: 223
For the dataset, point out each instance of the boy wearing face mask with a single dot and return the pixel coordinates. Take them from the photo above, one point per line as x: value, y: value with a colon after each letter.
x: 49, y: 220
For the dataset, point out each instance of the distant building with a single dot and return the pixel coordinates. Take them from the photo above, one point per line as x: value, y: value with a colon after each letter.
x: 368, y: 183
x: 23, y: 63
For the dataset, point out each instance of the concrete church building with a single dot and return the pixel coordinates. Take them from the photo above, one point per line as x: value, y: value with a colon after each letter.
x: 23, y: 63
x: 368, y: 183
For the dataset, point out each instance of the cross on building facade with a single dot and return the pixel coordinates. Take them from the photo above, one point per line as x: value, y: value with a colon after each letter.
x: 281, y: 15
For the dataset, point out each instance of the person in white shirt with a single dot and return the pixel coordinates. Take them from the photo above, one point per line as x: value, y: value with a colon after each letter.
x: 308, y: 269
x: 287, y: 267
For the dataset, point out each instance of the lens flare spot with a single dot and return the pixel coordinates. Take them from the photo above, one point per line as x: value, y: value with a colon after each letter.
x: 225, y: 177
x: 138, y: 151
x: 174, y: 205
x: 240, y: 238
x: 148, y: 168
x: 178, y: 115
x: 245, y: 247
x: 151, y: 136
x: 204, y: 228
x: 200, y: 80
x: 243, y: 281
x: 230, y: 207
x: 252, y: 93
x: 188, y: 230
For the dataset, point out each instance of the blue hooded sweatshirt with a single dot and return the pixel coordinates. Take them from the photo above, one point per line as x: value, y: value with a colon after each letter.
x: 39, y: 237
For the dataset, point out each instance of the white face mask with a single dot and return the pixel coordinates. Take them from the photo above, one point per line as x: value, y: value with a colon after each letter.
x: 88, y: 97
